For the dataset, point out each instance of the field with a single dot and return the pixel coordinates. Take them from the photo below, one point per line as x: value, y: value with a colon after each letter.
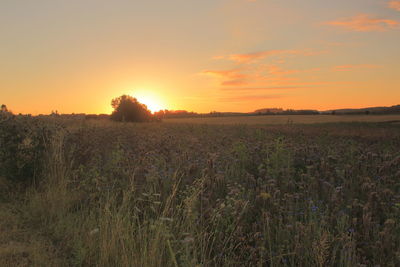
x: 288, y: 119
x: 83, y: 193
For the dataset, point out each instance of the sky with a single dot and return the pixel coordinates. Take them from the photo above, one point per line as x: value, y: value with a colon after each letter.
x: 74, y: 56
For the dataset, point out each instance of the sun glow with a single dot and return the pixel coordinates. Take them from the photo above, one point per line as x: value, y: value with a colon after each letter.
x: 151, y: 100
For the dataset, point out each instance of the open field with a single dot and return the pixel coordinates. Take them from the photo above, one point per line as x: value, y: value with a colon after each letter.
x: 287, y: 119
x: 98, y: 193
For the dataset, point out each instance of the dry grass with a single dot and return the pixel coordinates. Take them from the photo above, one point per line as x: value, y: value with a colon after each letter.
x: 287, y: 119
x: 21, y: 244
x: 166, y: 194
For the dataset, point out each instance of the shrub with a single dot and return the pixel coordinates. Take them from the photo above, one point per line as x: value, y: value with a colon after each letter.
x: 22, y: 146
x: 127, y: 108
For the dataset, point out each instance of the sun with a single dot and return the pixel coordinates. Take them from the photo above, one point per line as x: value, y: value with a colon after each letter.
x: 151, y: 100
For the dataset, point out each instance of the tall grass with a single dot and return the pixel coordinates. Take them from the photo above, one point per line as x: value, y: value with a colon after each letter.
x: 187, y: 195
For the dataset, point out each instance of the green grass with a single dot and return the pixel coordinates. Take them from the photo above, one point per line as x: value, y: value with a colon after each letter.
x: 169, y: 194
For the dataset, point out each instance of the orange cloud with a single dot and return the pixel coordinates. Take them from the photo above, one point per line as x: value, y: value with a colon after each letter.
x: 262, y: 74
x: 395, y: 5
x: 263, y: 88
x: 276, y: 70
x: 247, y: 98
x: 257, y: 76
x: 353, y: 67
x: 234, y: 83
x: 365, y: 23
x: 242, y: 58
x: 228, y: 77
x: 249, y: 57
x: 231, y: 74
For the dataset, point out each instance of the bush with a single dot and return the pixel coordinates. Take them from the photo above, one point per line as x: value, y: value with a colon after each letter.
x: 22, y: 146
x: 127, y: 108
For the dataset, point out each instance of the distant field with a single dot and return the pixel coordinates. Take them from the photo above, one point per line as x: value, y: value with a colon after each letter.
x: 285, y: 119
x: 77, y: 192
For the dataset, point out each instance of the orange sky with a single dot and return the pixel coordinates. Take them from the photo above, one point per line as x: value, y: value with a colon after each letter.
x: 222, y: 55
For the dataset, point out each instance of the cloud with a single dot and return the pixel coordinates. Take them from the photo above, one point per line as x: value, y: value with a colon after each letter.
x: 276, y: 70
x: 228, y: 77
x: 245, y: 98
x: 243, y: 58
x: 234, y: 83
x: 353, y: 67
x: 257, y: 76
x: 365, y: 23
x: 230, y: 74
x: 254, y: 56
x: 263, y: 88
x: 218, y: 57
x: 250, y: 57
x: 395, y: 5
x: 262, y: 76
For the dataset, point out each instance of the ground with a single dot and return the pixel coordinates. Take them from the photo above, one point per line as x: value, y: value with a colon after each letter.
x: 190, y: 194
x: 288, y: 119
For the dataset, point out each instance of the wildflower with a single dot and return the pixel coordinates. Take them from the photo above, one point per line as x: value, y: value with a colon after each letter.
x: 265, y: 195
x: 314, y: 208
x: 94, y: 231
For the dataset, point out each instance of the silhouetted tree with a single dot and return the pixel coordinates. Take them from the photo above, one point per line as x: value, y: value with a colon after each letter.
x: 4, y: 108
x: 127, y: 108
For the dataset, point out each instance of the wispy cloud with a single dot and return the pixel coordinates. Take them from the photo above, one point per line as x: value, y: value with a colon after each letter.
x: 231, y: 74
x: 250, y: 73
x: 289, y: 86
x: 228, y: 77
x: 260, y: 76
x: 354, y: 67
x: 242, y: 58
x: 276, y: 70
x: 395, y: 5
x: 365, y: 23
x: 263, y: 88
x: 234, y: 83
x: 244, y: 98
x: 250, y: 57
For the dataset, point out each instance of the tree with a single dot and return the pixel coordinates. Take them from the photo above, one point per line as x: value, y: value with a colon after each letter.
x: 4, y: 108
x: 127, y: 108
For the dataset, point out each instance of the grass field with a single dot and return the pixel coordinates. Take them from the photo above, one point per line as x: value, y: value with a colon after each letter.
x: 287, y: 119
x: 98, y: 193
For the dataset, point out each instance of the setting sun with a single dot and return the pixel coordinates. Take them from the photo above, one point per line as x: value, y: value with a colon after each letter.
x: 151, y: 100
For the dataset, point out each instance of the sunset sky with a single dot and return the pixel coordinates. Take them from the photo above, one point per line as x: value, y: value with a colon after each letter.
x: 199, y: 55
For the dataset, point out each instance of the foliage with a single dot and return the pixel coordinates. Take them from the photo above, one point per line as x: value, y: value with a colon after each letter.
x: 22, y: 146
x: 214, y: 195
x: 4, y: 109
x: 127, y: 108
